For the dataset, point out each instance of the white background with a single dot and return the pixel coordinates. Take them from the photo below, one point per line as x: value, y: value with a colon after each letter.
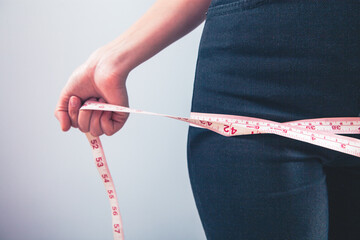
x: 49, y: 185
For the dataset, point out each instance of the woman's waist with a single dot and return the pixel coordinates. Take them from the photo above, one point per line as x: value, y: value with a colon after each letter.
x: 274, y: 105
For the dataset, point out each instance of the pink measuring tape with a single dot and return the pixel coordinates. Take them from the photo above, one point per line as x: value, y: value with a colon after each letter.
x: 321, y: 132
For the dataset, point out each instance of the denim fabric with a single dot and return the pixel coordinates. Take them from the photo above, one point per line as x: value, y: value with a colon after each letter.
x: 282, y: 61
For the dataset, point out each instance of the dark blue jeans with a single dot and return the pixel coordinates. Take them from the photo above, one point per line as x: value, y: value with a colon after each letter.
x: 282, y: 61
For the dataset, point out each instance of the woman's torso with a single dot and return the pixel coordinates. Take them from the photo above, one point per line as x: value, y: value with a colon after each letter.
x: 280, y: 60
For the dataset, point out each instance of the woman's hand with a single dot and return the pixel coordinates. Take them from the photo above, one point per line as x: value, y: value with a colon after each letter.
x: 100, y: 78
x: 103, y: 75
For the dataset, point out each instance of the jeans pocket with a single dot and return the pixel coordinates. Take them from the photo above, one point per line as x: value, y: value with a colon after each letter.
x: 224, y: 7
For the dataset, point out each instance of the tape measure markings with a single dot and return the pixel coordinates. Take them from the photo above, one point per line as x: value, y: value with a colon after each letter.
x: 321, y: 132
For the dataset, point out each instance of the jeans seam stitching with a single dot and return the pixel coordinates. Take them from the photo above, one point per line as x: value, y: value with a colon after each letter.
x: 239, y: 5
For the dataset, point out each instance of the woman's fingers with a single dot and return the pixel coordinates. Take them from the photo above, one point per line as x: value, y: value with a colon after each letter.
x: 112, y: 122
x: 61, y: 113
x: 73, y: 110
x: 84, y: 119
x: 95, y: 122
x: 95, y: 127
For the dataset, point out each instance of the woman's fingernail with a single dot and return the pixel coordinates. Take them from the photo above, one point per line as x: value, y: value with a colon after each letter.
x: 73, y: 102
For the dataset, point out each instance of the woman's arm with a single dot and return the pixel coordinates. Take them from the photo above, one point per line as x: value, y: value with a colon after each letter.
x: 104, y: 74
x: 165, y: 22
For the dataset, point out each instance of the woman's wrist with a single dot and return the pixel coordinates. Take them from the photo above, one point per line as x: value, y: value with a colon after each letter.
x: 163, y: 24
x: 122, y: 56
x: 111, y: 58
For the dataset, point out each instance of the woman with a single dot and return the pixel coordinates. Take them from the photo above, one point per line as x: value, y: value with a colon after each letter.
x: 278, y: 60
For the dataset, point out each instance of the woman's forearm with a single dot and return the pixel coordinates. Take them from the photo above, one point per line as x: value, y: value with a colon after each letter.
x: 104, y: 74
x: 165, y: 22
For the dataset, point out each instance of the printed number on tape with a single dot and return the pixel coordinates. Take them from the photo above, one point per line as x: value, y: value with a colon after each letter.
x: 321, y: 132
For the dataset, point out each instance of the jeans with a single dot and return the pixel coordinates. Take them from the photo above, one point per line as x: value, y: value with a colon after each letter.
x: 283, y: 61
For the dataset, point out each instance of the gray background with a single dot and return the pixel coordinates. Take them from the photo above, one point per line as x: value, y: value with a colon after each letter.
x: 49, y: 185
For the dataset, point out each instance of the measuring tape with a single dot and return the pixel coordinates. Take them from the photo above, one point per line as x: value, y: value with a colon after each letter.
x: 321, y: 132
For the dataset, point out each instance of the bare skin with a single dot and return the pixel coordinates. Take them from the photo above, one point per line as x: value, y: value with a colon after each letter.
x: 103, y: 76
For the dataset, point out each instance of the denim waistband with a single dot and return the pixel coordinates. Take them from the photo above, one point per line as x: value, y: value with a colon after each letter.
x: 219, y: 6
x: 218, y: 3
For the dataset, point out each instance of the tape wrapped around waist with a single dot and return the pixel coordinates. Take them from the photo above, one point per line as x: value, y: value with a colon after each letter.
x: 321, y: 132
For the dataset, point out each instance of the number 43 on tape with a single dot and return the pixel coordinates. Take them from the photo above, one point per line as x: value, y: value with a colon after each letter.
x: 321, y: 132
